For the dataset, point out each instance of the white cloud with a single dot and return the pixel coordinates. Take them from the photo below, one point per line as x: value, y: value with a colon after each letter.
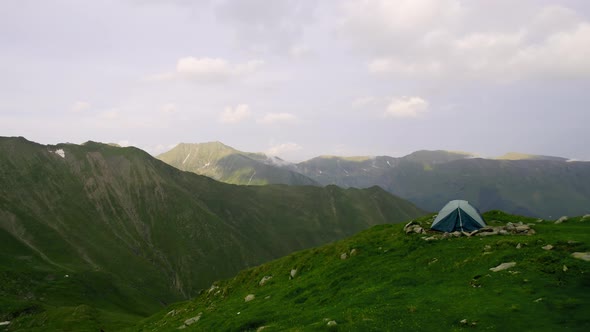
x: 299, y: 51
x: 124, y: 143
x: 283, y: 148
x: 235, y: 115
x: 406, y: 107
x: 275, y: 118
x: 80, y: 106
x: 445, y: 39
x: 168, y: 108
x: 209, y: 69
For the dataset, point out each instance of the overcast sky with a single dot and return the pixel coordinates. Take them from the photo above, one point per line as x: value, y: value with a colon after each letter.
x: 300, y: 78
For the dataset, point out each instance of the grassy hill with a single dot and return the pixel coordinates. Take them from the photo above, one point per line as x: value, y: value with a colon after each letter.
x: 95, y: 236
x: 384, y: 280
x: 226, y: 164
x: 526, y: 156
x: 544, y: 188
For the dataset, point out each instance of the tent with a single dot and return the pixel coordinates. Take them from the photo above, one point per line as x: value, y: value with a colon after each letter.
x: 458, y: 215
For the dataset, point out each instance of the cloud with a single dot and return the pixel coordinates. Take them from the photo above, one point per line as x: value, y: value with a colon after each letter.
x: 363, y: 102
x: 124, y: 143
x: 168, y: 108
x: 406, y: 107
x: 235, y: 115
x: 80, y: 106
x: 449, y: 39
x: 277, y: 118
x: 284, y: 148
x: 209, y: 70
x: 266, y: 26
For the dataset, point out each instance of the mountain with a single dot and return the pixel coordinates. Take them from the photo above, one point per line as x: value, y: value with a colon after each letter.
x: 95, y: 237
x: 429, y: 179
x: 226, y: 164
x: 525, y: 156
x: 383, y: 279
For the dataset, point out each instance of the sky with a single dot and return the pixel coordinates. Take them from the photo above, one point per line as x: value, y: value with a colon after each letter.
x: 299, y: 79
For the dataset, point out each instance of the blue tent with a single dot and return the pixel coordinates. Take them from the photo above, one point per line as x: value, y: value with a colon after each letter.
x: 459, y: 216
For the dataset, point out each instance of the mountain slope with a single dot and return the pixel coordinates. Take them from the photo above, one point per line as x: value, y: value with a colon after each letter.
x: 132, y: 233
x: 545, y: 188
x: 526, y: 156
x: 391, y: 281
x: 226, y: 164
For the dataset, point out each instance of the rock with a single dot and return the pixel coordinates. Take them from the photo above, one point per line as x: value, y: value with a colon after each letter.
x: 249, y: 297
x: 332, y: 323
x: 518, y: 246
x: 343, y: 256
x: 193, y: 320
x: 586, y: 216
x: 539, y: 220
x: 565, y: 268
x: 430, y: 238
x: 353, y: 252
x: 411, y: 223
x: 261, y: 328
x: 264, y: 280
x: 4, y: 323
x: 463, y: 321
x: 538, y: 300
x: 293, y: 273
x: 503, y: 266
x: 487, y: 247
x: 510, y: 226
x: 547, y: 247
x: 182, y: 327
x: 522, y: 229
x: 560, y: 220
x: 487, y: 233
x: 531, y: 232
x: 213, y: 287
x: 456, y: 234
x: 582, y: 255
x: 446, y: 235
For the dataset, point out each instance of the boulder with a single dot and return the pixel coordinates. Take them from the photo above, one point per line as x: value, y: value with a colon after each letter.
x: 293, y: 273
x: 547, y: 247
x: 249, y: 297
x: 193, y: 320
x: 332, y: 323
x: 582, y: 255
x: 343, y: 256
x: 503, y: 266
x: 353, y: 252
x: 560, y: 220
x: 518, y: 246
x: 522, y: 229
x: 264, y: 280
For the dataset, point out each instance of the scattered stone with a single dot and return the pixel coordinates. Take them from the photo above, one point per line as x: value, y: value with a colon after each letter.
x: 343, y: 256
x: 332, y: 323
x: 433, y: 261
x: 261, y: 328
x: 522, y: 229
x: 5, y: 323
x: 264, y: 280
x: 213, y: 287
x: 560, y: 220
x: 267, y: 297
x: 463, y: 321
x: 182, y: 327
x: 586, y: 216
x: 171, y: 313
x: 538, y: 300
x: 518, y: 246
x: 446, y: 235
x: 487, y: 233
x: 193, y: 320
x: 565, y: 268
x: 456, y: 234
x: 293, y: 273
x: 547, y: 247
x: 411, y: 223
x: 487, y: 247
x: 510, y: 226
x: 353, y: 252
x: 582, y: 255
x: 249, y: 298
x: 539, y: 220
x: 502, y: 232
x: 503, y: 266
x: 430, y: 238
x: 531, y: 232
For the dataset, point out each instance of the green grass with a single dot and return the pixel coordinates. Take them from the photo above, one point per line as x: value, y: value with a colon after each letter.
x: 401, y: 282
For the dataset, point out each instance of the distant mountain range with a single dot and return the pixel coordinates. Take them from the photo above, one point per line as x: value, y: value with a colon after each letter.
x: 532, y: 185
x: 224, y: 163
x: 95, y: 229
